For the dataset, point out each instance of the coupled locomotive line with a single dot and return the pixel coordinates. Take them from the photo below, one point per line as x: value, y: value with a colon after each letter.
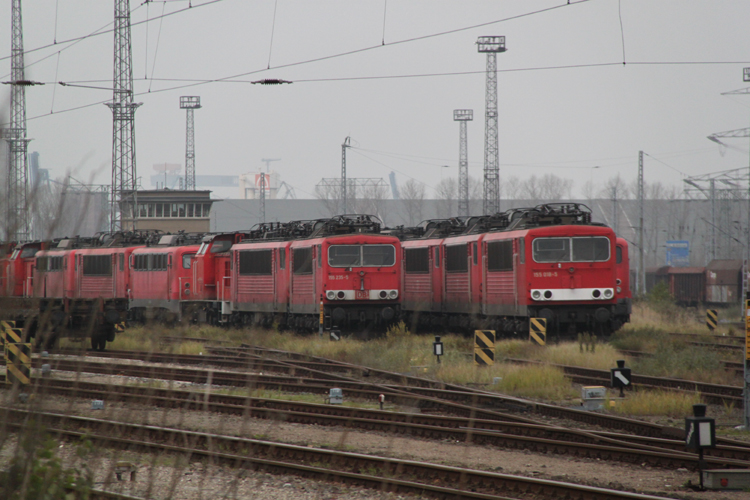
x: 354, y: 468
x: 542, y: 438
x: 458, y: 401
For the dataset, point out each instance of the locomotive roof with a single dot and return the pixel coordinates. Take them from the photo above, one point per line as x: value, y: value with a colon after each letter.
x: 545, y: 215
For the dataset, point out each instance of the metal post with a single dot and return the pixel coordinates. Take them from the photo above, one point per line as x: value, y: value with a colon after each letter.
x: 746, y: 394
x: 190, y: 103
x: 320, y: 323
x: 262, y: 196
x: 642, y: 268
x: 462, y: 116
x: 491, y: 45
x: 343, y: 174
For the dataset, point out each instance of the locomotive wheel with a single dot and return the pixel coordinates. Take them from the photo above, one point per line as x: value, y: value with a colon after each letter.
x: 98, y: 342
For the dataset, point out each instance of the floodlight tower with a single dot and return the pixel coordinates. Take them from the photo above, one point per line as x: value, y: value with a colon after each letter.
x: 189, y: 104
x: 491, y: 45
x: 124, y: 187
x: 462, y: 116
x: 17, y: 221
x: 343, y: 173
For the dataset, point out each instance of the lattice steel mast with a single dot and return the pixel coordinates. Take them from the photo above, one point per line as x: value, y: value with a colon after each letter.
x: 491, y: 45
x: 343, y: 174
x: 190, y: 103
x: 463, y: 116
x: 124, y: 187
x: 18, y: 220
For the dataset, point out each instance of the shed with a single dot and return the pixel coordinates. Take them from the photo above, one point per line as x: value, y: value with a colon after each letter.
x: 656, y: 275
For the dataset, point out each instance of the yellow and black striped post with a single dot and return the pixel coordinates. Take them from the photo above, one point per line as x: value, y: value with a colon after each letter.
x: 9, y: 334
x: 18, y: 363
x: 712, y: 319
x: 484, y: 347
x: 538, y: 330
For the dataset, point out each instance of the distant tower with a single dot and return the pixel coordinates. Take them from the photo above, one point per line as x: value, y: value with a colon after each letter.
x: 491, y: 45
x: 463, y: 116
x: 343, y: 174
x: 17, y: 220
x: 190, y: 103
x: 124, y: 194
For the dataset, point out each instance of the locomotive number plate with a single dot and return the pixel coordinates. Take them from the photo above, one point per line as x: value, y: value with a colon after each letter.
x: 362, y: 294
x: 334, y: 277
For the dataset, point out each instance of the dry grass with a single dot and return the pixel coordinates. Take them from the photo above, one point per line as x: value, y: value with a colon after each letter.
x: 649, y: 403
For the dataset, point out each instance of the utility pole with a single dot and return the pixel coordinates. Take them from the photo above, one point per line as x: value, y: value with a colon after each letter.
x: 189, y: 104
x: 262, y: 188
x: 642, y: 268
x: 17, y: 220
x: 462, y: 116
x: 345, y: 145
x: 491, y: 45
x: 124, y: 187
x: 746, y: 282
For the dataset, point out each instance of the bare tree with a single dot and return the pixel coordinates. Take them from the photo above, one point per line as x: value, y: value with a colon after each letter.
x: 447, y: 194
x: 554, y: 188
x: 371, y: 200
x: 412, y: 197
x: 476, y: 195
x: 329, y: 195
x: 512, y: 188
x: 532, y: 188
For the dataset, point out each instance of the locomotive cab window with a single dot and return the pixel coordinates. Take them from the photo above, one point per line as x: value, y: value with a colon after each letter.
x: 221, y: 246
x: 361, y: 255
x: 591, y: 249
x: 282, y: 258
x: 580, y: 249
x: 187, y: 260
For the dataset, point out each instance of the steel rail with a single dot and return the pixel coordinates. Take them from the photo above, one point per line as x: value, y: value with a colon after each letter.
x: 385, y: 473
x: 514, y: 435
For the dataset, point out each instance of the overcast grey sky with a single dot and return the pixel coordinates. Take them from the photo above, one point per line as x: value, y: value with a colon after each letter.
x: 566, y: 101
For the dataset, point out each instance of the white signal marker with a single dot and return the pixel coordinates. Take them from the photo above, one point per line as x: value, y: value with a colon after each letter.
x: 622, y: 378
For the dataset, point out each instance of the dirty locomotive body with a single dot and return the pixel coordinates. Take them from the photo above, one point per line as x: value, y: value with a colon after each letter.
x: 347, y: 273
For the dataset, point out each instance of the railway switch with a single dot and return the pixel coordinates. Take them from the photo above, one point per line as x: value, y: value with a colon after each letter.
x: 620, y: 377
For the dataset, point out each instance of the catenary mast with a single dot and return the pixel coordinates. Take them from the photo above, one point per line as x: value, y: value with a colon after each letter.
x: 491, y: 45
x: 462, y: 116
x: 18, y: 220
x: 123, y: 193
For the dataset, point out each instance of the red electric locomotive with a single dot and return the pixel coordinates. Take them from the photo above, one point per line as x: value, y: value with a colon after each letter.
x: 496, y: 272
x: 285, y: 273
x: 17, y: 262
x: 161, y: 277
x: 84, y: 285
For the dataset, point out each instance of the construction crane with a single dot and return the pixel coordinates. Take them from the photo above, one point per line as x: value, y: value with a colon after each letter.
x: 268, y: 161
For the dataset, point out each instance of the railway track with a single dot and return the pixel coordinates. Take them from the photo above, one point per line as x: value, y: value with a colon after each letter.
x: 487, y: 429
x: 737, y: 367
x: 384, y: 473
x: 450, y: 399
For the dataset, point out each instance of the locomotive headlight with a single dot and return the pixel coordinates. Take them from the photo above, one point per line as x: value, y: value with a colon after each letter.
x: 393, y: 294
x: 330, y: 295
x: 383, y: 294
x: 596, y: 294
x: 536, y: 295
x: 608, y: 293
x: 341, y: 294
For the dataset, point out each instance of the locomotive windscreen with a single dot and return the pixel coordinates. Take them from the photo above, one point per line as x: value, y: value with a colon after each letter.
x: 582, y: 249
x: 361, y: 255
x: 593, y: 249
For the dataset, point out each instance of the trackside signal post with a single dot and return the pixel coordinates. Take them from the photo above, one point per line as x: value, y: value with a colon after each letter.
x: 746, y: 395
